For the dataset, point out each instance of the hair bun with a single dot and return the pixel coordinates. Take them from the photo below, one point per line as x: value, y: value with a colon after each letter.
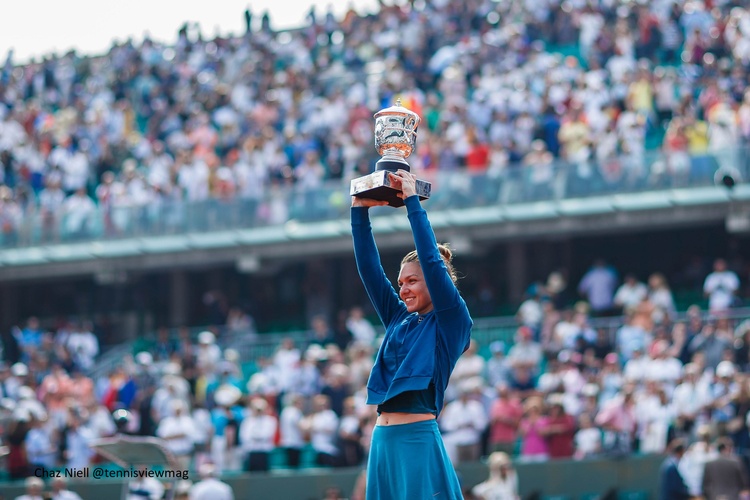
x: 445, y: 251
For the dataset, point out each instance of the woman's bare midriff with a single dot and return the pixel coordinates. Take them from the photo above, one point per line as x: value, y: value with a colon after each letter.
x: 388, y: 418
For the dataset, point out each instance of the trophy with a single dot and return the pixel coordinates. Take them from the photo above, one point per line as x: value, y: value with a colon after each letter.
x: 395, y: 139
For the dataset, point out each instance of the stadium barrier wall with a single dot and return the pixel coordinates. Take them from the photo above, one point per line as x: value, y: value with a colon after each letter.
x: 631, y: 478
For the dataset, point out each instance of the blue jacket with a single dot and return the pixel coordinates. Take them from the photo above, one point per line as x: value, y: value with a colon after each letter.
x: 416, y: 350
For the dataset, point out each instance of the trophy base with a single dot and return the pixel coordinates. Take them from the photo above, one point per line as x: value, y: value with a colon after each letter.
x: 376, y: 186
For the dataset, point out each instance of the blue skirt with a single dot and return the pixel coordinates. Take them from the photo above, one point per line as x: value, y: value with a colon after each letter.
x: 409, y: 462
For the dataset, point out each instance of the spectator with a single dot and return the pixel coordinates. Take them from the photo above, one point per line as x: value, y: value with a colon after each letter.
x: 321, y: 333
x: 725, y: 476
x: 469, y: 366
x: 721, y: 286
x: 671, y: 484
x: 322, y: 426
x: 710, y: 345
x: 525, y: 354
x: 598, y: 286
x: 362, y: 330
x: 210, y: 487
x: 83, y: 346
x: 588, y: 438
x: 208, y: 353
x: 618, y: 420
x: 292, y: 437
x: 630, y: 293
x: 497, y: 369
x: 178, y: 429
x: 631, y: 337
x: 77, y: 438
x: 41, y: 445
x: 558, y: 429
x: 226, y: 417
x: 60, y: 490
x: 505, y: 414
x: 463, y: 422
x: 502, y: 483
x: 34, y: 487
x: 17, y: 459
x: 693, y: 463
x: 533, y: 445
x: 350, y: 435
x: 257, y: 434
x: 654, y: 414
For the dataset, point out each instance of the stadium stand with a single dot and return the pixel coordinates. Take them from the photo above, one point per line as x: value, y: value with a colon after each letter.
x: 533, y: 111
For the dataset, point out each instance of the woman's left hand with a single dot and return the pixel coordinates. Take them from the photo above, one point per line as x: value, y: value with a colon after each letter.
x: 406, y: 182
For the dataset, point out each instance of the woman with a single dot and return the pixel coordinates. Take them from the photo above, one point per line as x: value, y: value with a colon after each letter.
x: 660, y: 296
x: 427, y: 328
x: 533, y: 443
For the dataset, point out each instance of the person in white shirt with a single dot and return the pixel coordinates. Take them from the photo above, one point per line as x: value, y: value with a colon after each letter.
x: 208, y: 354
x: 257, y: 433
x: 468, y: 366
x: 525, y: 353
x: 693, y: 462
x: 210, y: 487
x: 691, y: 399
x: 635, y: 368
x: 83, y: 346
x: 588, y: 438
x: 79, y: 211
x: 145, y: 488
x: 34, y: 487
x: 720, y: 286
x: 630, y: 293
x: 78, y: 438
x: 462, y: 423
x: 530, y: 312
x: 60, y: 490
x: 654, y: 414
x: 663, y: 367
x: 503, y: 481
x: 322, y: 426
x: 362, y: 330
x: 292, y: 438
x: 178, y: 431
x: 286, y: 360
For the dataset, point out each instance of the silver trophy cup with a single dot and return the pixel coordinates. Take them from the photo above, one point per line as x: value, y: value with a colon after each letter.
x: 395, y: 140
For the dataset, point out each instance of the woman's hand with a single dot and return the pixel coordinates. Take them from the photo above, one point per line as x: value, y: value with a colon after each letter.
x: 366, y: 202
x: 404, y: 181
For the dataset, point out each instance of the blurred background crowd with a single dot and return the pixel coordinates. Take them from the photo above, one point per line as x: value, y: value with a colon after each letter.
x: 611, y: 369
x: 503, y: 87
x: 616, y: 373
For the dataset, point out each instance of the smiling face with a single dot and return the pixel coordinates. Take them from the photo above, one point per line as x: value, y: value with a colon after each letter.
x: 413, y: 289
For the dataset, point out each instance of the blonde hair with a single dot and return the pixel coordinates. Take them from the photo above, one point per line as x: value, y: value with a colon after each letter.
x: 445, y: 252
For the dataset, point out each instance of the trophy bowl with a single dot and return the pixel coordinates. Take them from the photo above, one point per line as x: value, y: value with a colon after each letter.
x: 395, y: 139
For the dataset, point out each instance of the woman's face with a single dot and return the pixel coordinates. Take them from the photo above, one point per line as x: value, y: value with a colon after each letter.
x: 413, y: 289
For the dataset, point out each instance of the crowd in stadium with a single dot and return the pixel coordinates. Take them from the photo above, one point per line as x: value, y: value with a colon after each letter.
x: 561, y: 389
x: 149, y: 124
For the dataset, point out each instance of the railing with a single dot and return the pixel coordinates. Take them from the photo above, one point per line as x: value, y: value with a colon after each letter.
x: 252, y: 346
x: 451, y: 189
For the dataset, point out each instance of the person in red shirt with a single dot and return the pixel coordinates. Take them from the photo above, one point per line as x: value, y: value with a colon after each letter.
x: 559, y: 429
x: 478, y: 156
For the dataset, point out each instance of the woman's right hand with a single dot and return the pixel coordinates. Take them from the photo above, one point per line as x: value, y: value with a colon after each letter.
x: 367, y: 202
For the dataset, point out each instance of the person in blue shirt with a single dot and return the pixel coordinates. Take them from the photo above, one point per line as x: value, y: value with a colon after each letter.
x: 428, y: 327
